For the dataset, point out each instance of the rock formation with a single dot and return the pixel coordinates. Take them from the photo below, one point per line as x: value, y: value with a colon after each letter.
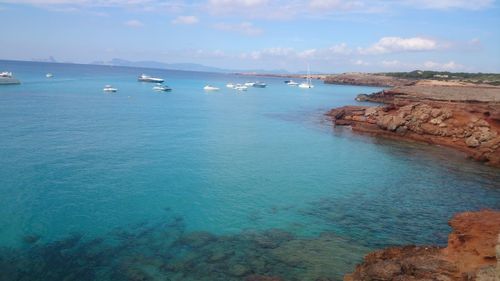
x: 473, y: 253
x: 468, y: 121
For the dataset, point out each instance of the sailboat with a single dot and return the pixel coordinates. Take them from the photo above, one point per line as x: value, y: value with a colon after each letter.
x: 308, y: 84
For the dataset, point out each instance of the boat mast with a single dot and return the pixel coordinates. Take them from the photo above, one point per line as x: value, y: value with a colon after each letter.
x: 308, y: 75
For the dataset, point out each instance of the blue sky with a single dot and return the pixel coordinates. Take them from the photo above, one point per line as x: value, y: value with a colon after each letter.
x: 330, y: 35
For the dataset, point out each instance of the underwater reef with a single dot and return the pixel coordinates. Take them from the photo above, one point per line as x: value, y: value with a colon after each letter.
x: 166, y: 251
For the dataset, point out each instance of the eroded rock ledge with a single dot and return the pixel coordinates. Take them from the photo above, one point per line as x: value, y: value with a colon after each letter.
x: 471, y: 254
x: 423, y: 114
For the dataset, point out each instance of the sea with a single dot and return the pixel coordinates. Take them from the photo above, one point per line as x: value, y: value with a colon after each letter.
x: 196, y: 185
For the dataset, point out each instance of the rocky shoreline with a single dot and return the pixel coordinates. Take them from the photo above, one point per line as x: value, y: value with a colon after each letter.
x: 473, y: 253
x: 463, y: 117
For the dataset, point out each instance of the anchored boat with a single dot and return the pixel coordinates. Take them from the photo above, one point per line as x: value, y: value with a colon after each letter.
x: 162, y: 88
x: 259, y: 85
x: 109, y: 89
x: 308, y: 84
x: 210, y: 88
x: 147, y: 78
x: 6, y: 78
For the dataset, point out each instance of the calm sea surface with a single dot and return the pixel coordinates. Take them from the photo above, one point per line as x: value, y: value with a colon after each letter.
x: 189, y: 185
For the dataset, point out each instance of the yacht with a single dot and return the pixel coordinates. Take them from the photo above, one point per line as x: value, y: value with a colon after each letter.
x: 230, y: 85
x: 162, y: 88
x: 49, y: 75
x: 308, y: 84
x: 240, y: 87
x: 259, y: 85
x: 210, y: 88
x: 249, y: 84
x: 292, y: 83
x: 147, y: 78
x: 109, y: 89
x: 6, y: 78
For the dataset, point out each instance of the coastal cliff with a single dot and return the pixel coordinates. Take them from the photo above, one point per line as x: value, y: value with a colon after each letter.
x: 473, y: 253
x: 461, y: 117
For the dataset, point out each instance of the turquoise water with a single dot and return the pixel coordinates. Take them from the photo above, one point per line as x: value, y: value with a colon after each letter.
x: 189, y: 185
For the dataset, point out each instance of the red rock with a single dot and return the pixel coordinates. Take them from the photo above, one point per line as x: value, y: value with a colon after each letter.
x: 470, y: 253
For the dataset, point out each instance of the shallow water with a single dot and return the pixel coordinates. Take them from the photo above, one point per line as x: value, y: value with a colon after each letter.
x: 190, y: 185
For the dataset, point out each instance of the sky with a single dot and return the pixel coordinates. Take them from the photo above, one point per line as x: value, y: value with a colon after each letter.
x: 331, y: 36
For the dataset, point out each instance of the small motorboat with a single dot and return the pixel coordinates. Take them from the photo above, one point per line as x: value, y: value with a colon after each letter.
x: 6, y: 74
x: 49, y: 75
x: 210, y: 88
x: 230, y: 85
x: 109, y: 89
x: 162, y: 88
x: 292, y: 83
x: 249, y: 84
x: 259, y: 85
x: 6, y: 78
x: 287, y: 81
x: 240, y: 87
x: 147, y: 78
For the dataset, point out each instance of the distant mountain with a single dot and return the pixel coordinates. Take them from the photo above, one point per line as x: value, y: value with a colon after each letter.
x: 49, y: 59
x: 182, y: 66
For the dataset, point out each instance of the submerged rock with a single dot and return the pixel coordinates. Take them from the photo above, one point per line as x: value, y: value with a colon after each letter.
x: 31, y: 238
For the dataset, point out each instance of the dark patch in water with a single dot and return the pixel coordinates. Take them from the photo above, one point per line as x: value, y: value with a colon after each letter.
x: 363, y: 220
x: 165, y: 251
x: 31, y: 238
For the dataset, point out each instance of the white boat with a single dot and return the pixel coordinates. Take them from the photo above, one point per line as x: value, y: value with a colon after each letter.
x: 292, y: 83
x: 162, y: 88
x: 6, y: 78
x: 308, y: 84
x: 240, y: 87
x: 210, y: 88
x: 6, y: 74
x: 49, y: 75
x: 260, y: 85
x: 230, y: 85
x: 249, y: 84
x: 109, y: 89
x: 147, y: 78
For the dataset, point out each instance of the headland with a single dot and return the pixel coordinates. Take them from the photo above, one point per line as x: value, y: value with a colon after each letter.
x: 459, y: 115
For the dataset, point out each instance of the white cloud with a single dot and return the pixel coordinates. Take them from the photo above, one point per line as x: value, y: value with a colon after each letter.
x: 448, y: 66
x: 76, y: 5
x: 397, y: 44
x: 360, y: 62
x: 134, y: 23
x: 307, y: 54
x: 341, y: 5
x: 451, y: 4
x: 391, y: 63
x: 185, y: 20
x: 427, y: 65
x: 340, y: 49
x: 246, y: 28
x: 267, y: 9
x: 224, y: 6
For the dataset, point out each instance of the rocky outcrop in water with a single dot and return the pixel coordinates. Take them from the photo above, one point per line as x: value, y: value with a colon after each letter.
x: 472, y: 253
x: 468, y: 121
